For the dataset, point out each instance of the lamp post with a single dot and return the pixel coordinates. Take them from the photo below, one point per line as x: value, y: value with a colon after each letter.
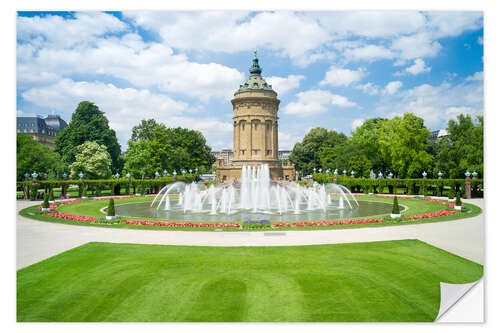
x: 190, y: 171
x: 467, y: 185
x: 467, y: 174
x: 34, y: 175
x: 165, y: 173
x: 474, y: 175
x: 390, y: 175
x: 424, y: 174
x: 27, y: 176
x: 352, y: 173
x: 175, y: 175
x: 314, y: 170
x: 336, y: 172
x: 320, y: 170
x: 296, y: 175
x: 80, y: 175
x: 344, y: 172
x: 195, y: 170
x: 64, y: 175
x: 117, y: 175
x: 157, y: 174
x: 380, y: 175
x: 440, y: 174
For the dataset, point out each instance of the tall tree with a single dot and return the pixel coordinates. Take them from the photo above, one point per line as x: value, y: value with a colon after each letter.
x: 366, y: 138
x: 88, y: 123
x: 462, y: 150
x: 402, y: 142
x: 306, y: 154
x: 33, y: 156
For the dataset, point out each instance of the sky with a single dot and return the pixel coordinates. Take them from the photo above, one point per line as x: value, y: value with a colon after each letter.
x: 332, y: 69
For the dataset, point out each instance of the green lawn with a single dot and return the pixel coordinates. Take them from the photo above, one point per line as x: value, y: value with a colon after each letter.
x: 377, y: 281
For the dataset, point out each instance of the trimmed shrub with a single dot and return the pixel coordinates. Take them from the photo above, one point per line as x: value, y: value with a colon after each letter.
x: 45, y: 203
x: 51, y: 194
x: 111, y: 208
x: 451, y: 193
x: 458, y: 201
x: 84, y: 190
x: 395, y: 206
x: 33, y: 192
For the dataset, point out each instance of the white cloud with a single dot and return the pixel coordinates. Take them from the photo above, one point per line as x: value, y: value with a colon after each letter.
x: 313, y: 102
x: 369, y: 53
x: 477, y: 76
x: 416, y: 46
x: 418, y: 67
x: 293, y: 34
x: 342, y: 76
x: 357, y: 122
x: 449, y: 24
x: 392, y: 87
x: 287, y: 140
x: 284, y: 84
x: 480, y: 40
x: 437, y: 104
x: 369, y: 88
x: 66, y: 32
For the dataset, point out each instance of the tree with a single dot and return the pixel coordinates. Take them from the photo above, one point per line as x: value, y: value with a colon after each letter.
x: 462, y: 149
x: 34, y: 156
x: 93, y: 160
x: 154, y: 147
x: 88, y: 123
x: 366, y: 138
x: 306, y: 154
x: 402, y: 142
x: 361, y: 165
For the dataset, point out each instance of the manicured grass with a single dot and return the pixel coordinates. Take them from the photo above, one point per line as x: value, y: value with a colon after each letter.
x: 415, y: 206
x: 377, y: 281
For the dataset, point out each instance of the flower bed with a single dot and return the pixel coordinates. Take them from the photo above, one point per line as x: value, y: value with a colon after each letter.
x: 434, y: 214
x: 71, y: 201
x: 322, y: 223
x: 51, y: 207
x: 391, y: 196
x: 434, y: 200
x: 183, y: 224
x: 117, y: 197
x: 154, y: 195
x: 71, y: 217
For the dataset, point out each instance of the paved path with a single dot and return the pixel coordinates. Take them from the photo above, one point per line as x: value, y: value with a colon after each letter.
x: 37, y: 240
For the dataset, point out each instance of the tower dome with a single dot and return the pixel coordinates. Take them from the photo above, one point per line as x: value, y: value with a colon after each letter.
x: 255, y: 81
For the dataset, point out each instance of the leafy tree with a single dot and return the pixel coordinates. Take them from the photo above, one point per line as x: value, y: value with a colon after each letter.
x: 402, y: 142
x: 306, y: 154
x: 34, y: 156
x: 361, y: 165
x: 462, y: 149
x: 93, y: 160
x: 154, y: 147
x: 88, y: 123
x: 366, y: 138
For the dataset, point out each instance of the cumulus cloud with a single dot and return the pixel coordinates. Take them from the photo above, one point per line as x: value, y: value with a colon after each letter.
x: 392, y: 87
x: 342, y: 76
x: 416, y: 46
x: 369, y: 88
x: 369, y: 53
x: 313, y: 102
x: 437, y: 104
x: 287, y: 140
x: 418, y: 67
x: 284, y: 84
x: 477, y: 76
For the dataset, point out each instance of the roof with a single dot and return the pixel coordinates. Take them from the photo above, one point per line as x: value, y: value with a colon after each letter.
x: 39, y: 125
x: 255, y: 82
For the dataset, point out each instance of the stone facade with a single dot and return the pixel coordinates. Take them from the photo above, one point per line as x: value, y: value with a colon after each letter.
x: 255, y: 136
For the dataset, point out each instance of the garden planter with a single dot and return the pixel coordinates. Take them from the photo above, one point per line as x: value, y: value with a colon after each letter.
x: 111, y: 218
x: 395, y: 216
x: 85, y: 197
x: 458, y: 207
x: 451, y: 200
x: 46, y: 209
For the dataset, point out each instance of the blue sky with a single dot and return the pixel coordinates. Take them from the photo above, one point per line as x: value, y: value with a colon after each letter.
x: 330, y: 69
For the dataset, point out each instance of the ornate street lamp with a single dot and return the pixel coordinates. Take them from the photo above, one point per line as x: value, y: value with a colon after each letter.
x: 320, y: 170
x: 352, y: 173
x: 165, y: 173
x: 65, y: 175
x: 467, y: 174
x: 183, y: 172
x: 440, y: 174
x: 390, y: 175
x: 474, y: 175
x: 34, y: 175
x: 128, y: 176
x: 27, y: 176
x: 80, y: 175
x: 117, y: 175
x: 174, y: 173
x: 424, y: 174
x: 195, y: 170
x: 314, y: 170
x: 328, y: 171
x: 336, y: 172
x: 380, y: 175
x: 157, y: 174
x: 344, y: 172
x: 190, y: 171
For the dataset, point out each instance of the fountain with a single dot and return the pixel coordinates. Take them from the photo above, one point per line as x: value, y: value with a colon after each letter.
x: 255, y: 194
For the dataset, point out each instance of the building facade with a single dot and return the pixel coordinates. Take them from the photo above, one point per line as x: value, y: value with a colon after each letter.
x: 255, y: 136
x: 43, y: 130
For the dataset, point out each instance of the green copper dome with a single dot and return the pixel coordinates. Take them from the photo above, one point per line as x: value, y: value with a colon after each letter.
x: 255, y: 81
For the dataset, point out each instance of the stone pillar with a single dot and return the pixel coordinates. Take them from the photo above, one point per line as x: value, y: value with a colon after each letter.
x: 236, y: 136
x: 467, y: 188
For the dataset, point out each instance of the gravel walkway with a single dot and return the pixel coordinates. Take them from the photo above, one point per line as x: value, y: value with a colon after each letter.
x: 38, y: 240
